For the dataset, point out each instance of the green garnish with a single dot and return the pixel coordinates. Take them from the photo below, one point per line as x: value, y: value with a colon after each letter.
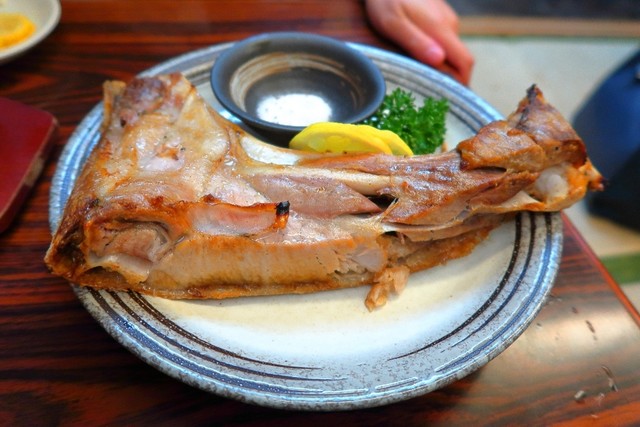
x: 423, y: 129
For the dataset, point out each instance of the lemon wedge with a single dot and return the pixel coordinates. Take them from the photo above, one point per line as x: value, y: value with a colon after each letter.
x: 14, y: 28
x: 393, y: 141
x: 332, y: 137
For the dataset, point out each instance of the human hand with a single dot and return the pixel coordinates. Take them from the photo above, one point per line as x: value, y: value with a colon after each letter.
x: 427, y: 30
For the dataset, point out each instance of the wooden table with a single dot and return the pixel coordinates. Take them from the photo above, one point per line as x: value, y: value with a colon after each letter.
x: 59, y: 367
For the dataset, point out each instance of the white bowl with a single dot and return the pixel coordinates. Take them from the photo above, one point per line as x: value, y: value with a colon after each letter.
x: 45, y: 14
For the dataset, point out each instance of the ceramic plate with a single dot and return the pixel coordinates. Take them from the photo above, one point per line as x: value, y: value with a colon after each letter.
x: 326, y: 351
x: 45, y: 14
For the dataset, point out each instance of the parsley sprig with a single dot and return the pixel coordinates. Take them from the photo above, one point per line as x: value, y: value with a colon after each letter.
x: 423, y: 129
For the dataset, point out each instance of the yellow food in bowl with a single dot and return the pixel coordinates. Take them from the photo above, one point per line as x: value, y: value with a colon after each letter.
x: 14, y: 28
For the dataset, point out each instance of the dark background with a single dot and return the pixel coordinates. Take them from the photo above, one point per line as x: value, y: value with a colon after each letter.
x: 585, y: 9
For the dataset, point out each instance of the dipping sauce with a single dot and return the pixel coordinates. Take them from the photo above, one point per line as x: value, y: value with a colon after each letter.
x: 294, y: 109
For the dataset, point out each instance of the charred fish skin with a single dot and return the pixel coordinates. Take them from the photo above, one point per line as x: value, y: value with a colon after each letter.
x: 177, y: 202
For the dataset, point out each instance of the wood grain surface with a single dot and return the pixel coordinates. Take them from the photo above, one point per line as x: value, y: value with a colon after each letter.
x: 577, y: 364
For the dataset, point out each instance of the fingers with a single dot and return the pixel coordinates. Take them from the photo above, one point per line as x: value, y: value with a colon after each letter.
x: 427, y: 30
x: 420, y: 45
x: 458, y: 59
x: 390, y: 19
x: 439, y: 22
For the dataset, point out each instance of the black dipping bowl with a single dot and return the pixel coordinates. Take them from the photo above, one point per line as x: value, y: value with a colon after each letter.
x: 278, y: 83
